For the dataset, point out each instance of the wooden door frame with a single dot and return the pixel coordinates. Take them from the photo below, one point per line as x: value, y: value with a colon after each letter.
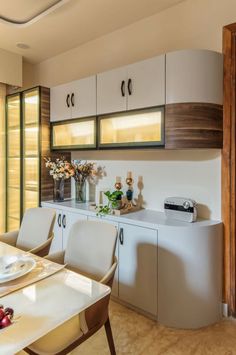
x: 229, y: 167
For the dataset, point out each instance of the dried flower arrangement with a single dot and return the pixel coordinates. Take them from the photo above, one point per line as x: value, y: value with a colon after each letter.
x: 59, y: 169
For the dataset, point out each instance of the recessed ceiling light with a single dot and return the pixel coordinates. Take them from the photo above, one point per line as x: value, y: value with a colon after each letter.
x: 23, y: 45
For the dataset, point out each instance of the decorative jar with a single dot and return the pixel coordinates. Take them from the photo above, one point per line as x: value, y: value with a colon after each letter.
x: 58, y: 191
x: 80, y: 191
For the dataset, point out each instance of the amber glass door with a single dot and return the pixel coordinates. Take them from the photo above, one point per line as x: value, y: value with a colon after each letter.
x: 31, y: 152
x: 74, y: 134
x: 136, y: 128
x: 13, y: 160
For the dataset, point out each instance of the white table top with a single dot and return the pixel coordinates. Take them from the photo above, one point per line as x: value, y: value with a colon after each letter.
x: 41, y: 307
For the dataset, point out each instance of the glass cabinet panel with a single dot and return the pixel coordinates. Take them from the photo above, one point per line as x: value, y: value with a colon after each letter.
x: 13, y: 153
x: 31, y: 149
x: 132, y: 129
x: 80, y: 133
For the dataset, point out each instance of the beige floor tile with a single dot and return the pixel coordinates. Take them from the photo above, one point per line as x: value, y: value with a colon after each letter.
x: 135, y: 334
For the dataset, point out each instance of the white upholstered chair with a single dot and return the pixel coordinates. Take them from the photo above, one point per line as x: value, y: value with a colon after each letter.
x: 90, y: 251
x: 36, y: 231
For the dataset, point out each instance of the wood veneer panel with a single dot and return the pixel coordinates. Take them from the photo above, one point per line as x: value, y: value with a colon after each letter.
x: 229, y: 167
x: 46, y: 179
x: 193, y: 125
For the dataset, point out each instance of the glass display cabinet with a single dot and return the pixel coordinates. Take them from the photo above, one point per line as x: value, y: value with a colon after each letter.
x: 74, y: 134
x: 138, y: 128
x: 27, y: 143
x: 13, y: 162
x: 31, y: 148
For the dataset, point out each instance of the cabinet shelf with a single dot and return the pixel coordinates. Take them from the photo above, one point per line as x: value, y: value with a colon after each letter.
x: 31, y: 156
x: 13, y: 187
x: 13, y: 217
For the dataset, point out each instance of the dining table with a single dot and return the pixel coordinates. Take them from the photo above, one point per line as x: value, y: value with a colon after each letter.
x: 43, y: 302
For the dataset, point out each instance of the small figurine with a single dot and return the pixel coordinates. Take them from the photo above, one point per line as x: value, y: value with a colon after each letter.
x: 118, y: 184
x: 129, y: 192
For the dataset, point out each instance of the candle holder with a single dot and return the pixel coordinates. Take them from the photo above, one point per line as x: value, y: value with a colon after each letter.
x: 129, y: 193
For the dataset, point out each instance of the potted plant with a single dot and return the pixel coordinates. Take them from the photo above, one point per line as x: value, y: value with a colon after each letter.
x: 114, y: 202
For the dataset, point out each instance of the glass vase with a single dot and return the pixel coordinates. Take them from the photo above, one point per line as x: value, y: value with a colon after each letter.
x: 80, y: 191
x: 58, y: 191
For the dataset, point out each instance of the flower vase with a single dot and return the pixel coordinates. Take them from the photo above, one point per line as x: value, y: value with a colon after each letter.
x: 80, y: 191
x: 58, y: 191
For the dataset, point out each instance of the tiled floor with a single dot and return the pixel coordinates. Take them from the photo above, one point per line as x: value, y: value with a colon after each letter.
x: 137, y: 335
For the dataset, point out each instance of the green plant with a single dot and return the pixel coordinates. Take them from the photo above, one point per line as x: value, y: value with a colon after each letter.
x: 113, y: 198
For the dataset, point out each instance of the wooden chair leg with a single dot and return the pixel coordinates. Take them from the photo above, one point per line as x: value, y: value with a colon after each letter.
x: 110, y: 340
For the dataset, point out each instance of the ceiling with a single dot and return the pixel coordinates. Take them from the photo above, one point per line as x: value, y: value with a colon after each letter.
x: 68, y: 26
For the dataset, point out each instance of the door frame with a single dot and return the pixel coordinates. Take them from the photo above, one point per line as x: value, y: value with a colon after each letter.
x: 229, y: 167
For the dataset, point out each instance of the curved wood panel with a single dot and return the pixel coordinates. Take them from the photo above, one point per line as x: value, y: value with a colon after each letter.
x: 193, y: 125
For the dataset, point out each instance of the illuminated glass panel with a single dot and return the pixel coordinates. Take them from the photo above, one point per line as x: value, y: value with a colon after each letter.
x: 13, y: 162
x: 31, y: 149
x: 143, y: 127
x: 74, y: 134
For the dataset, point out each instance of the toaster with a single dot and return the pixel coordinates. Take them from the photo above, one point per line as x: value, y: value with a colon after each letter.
x: 181, y: 208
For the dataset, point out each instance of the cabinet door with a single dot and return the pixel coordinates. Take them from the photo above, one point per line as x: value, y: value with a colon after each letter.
x: 68, y: 219
x: 138, y: 267
x: 111, y: 91
x: 13, y: 163
x: 83, y: 97
x: 60, y: 102
x: 56, y: 245
x: 146, y: 83
x: 31, y: 149
x: 194, y: 76
x: 115, y: 290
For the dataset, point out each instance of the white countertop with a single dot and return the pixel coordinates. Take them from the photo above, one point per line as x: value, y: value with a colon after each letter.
x: 144, y: 218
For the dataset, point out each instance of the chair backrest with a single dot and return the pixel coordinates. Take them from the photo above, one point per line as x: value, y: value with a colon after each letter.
x: 91, y: 248
x: 36, y: 227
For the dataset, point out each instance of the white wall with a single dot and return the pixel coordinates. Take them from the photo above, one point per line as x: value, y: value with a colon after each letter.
x: 194, y: 174
x: 10, y: 68
x: 190, y: 24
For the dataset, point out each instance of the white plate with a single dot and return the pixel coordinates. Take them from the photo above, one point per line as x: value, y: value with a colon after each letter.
x: 14, y: 266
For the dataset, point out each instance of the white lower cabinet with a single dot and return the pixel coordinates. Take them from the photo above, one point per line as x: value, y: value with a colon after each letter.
x: 138, y: 267
x: 63, y: 223
x: 57, y: 230
x: 135, y: 280
x: 115, y: 289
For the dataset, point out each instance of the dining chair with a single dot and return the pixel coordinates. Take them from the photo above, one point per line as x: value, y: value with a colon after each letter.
x: 90, y: 251
x: 36, y: 231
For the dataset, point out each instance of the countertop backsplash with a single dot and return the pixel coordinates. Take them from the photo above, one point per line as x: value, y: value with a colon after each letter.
x: 185, y: 173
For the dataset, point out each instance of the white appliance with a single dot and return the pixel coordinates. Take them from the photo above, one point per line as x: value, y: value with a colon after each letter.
x: 181, y: 208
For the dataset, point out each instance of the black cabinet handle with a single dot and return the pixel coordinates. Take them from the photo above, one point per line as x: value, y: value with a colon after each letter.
x: 64, y: 221
x: 122, y: 88
x: 68, y: 100
x: 72, y: 99
x: 121, y: 236
x: 130, y: 86
x: 59, y: 220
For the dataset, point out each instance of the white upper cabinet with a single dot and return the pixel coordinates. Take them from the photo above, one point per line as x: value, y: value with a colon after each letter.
x: 84, y: 97
x: 194, y: 76
x: 146, y: 83
x: 73, y: 100
x: 135, y: 86
x: 60, y: 105
x: 111, y: 91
